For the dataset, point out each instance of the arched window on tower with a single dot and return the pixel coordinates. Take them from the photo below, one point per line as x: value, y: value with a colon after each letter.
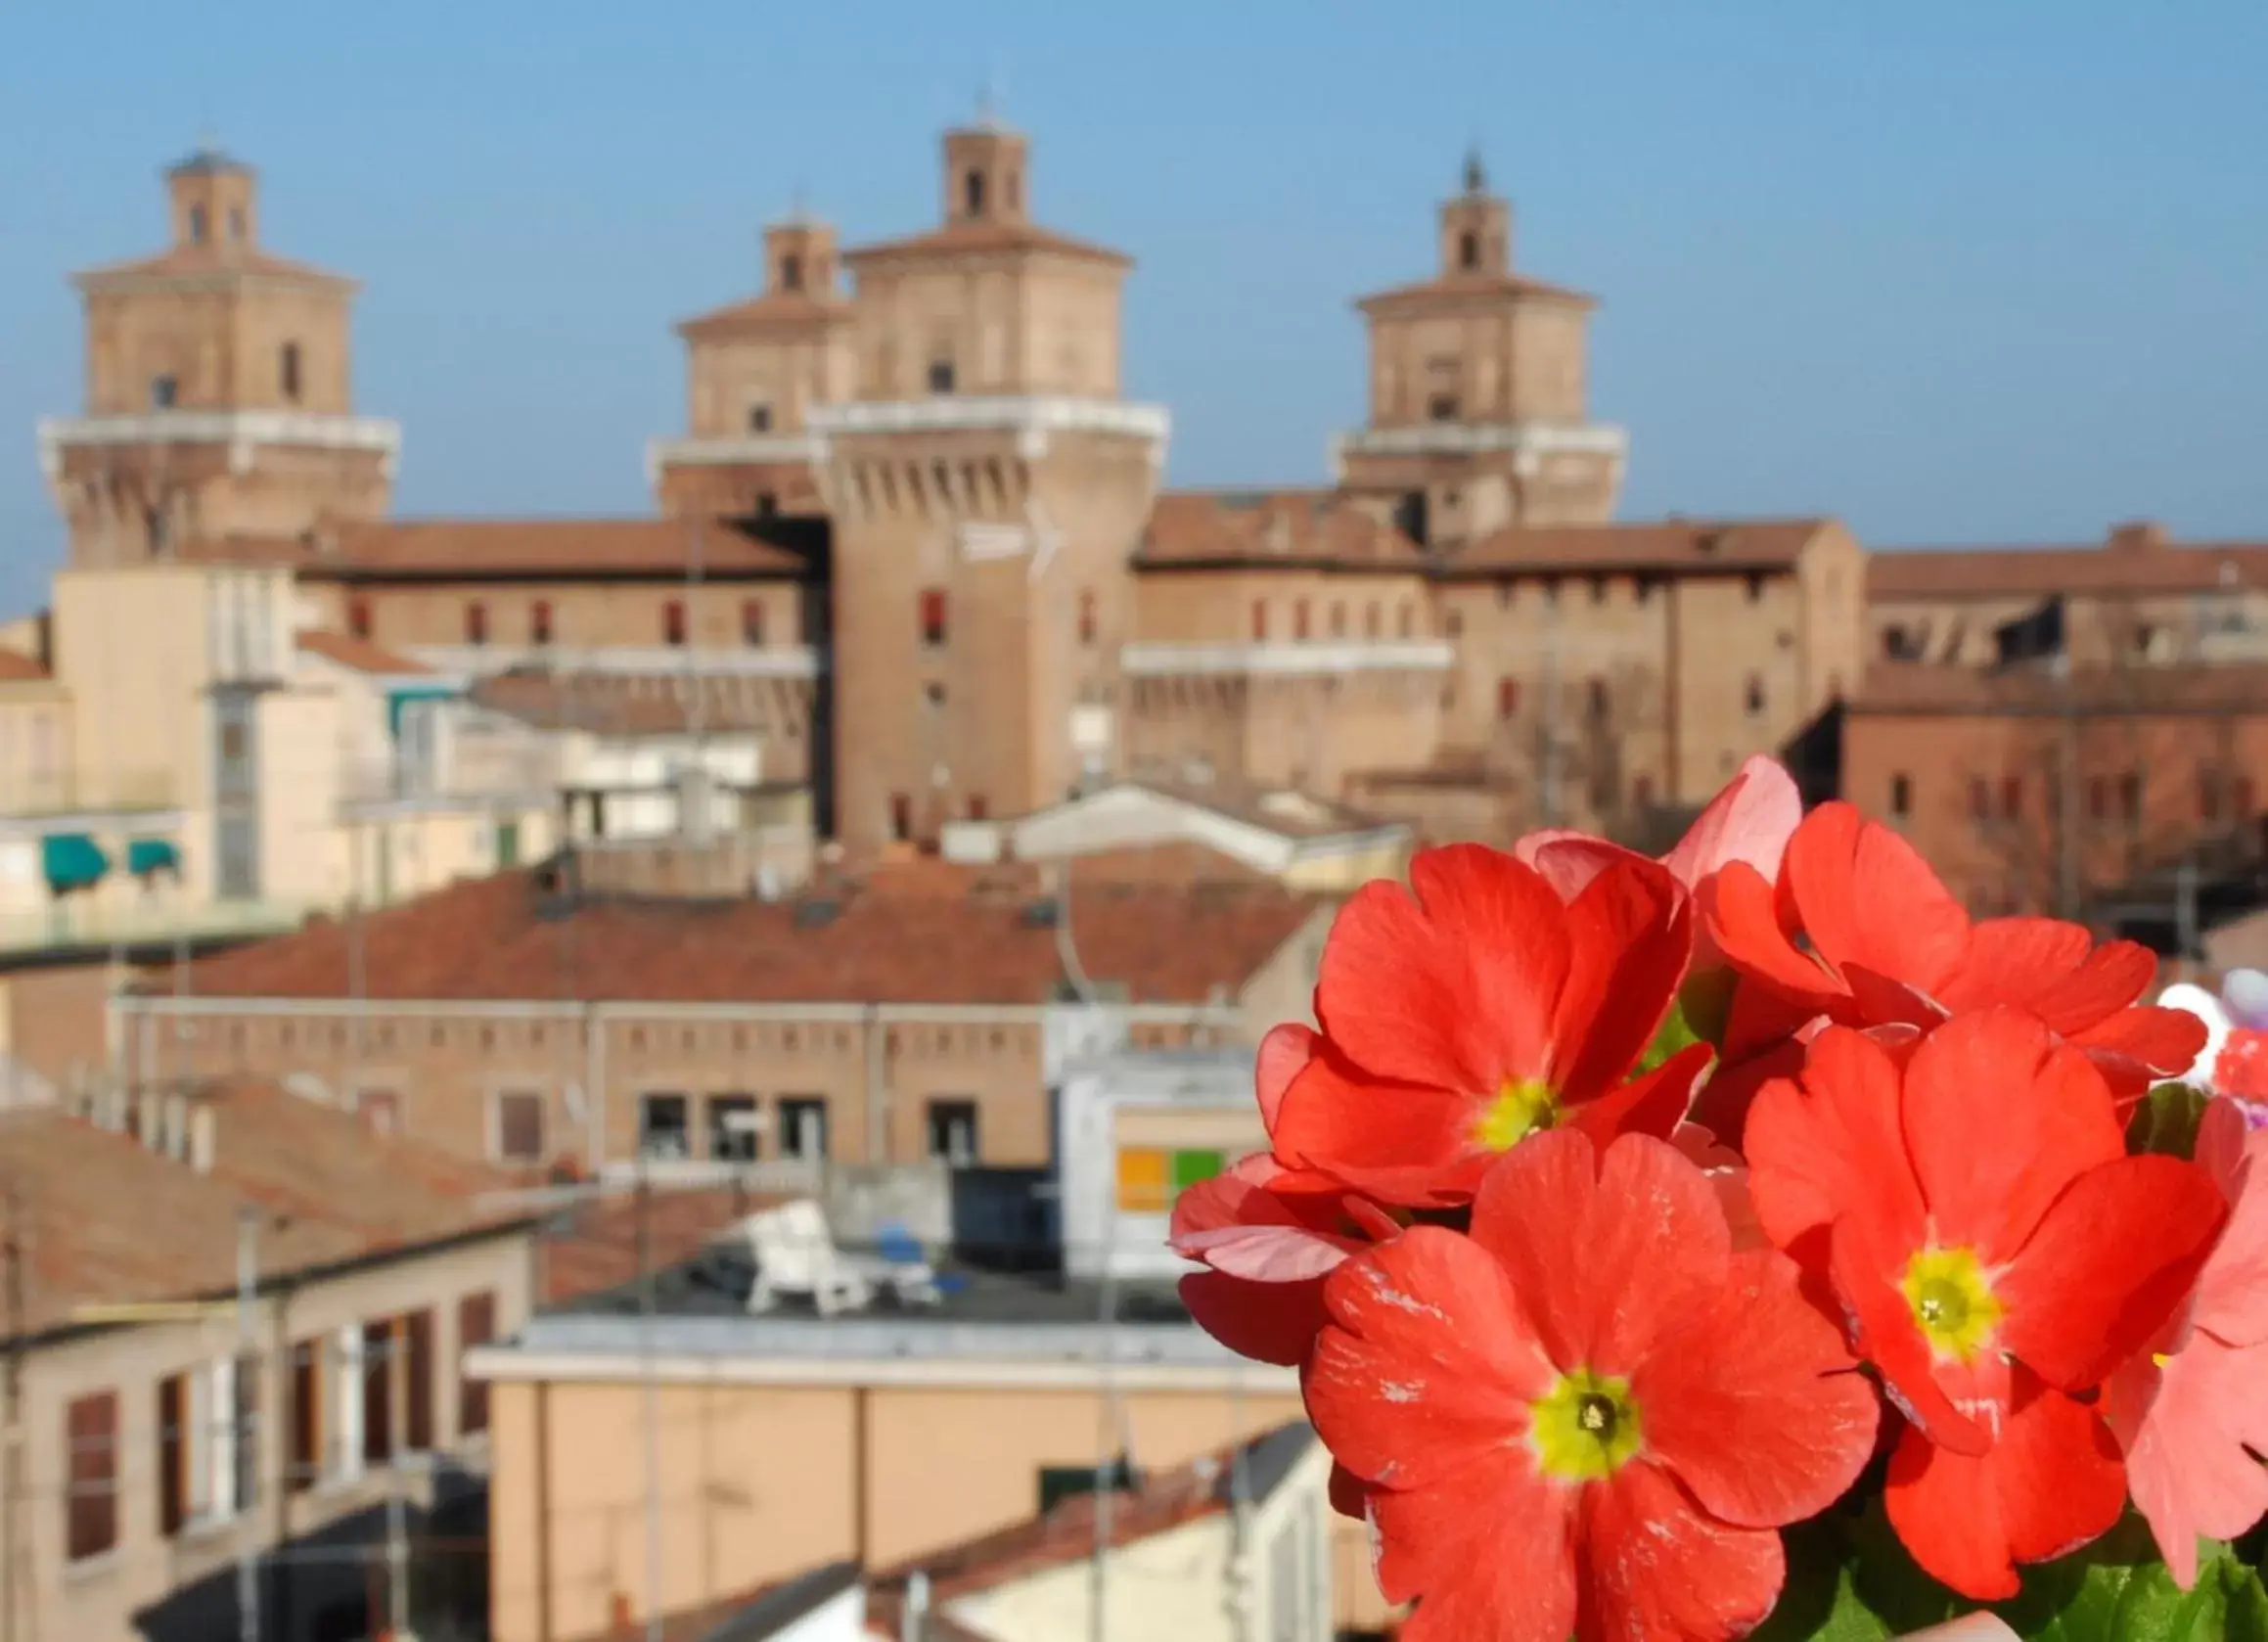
x: 973, y: 192
x: 288, y: 371
x: 197, y: 225
x: 1469, y: 249
x: 790, y: 272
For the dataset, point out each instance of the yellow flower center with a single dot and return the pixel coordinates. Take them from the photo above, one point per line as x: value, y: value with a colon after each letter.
x: 1584, y: 1428
x: 1952, y: 1301
x: 1521, y: 1107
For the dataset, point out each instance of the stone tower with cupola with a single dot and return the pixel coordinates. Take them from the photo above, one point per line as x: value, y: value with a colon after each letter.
x: 219, y: 418
x: 989, y: 486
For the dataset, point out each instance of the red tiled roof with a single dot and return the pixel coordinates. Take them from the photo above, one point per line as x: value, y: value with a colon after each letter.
x: 1924, y: 573
x: 1001, y: 238
x: 1919, y: 689
x: 105, y: 1220
x: 457, y: 548
x: 17, y: 668
x: 1449, y: 288
x: 359, y: 654
x: 1668, y: 545
x: 772, y: 310
x: 926, y: 931
x: 1289, y: 528
x: 183, y: 261
x: 597, y: 1248
x: 625, y: 703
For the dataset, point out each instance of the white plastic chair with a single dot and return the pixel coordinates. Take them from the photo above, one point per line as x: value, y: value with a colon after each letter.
x: 796, y: 1255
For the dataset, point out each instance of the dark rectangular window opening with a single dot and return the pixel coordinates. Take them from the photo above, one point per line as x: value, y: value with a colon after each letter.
x: 162, y: 392
x: 940, y: 376
x: 305, y: 1465
x: 664, y: 1125
x: 751, y: 621
x: 759, y: 419
x: 378, y: 1392
x: 476, y: 623
x: 1901, y: 796
x: 417, y: 1338
x: 952, y: 1131
x: 520, y: 1126
x: 539, y: 622
x: 932, y: 616
x: 90, y: 1431
x: 733, y: 1136
x: 901, y: 817
x: 804, y: 1127
x: 673, y: 622
x: 476, y: 1326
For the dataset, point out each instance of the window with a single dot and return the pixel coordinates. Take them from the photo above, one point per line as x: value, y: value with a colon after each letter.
x: 1755, y: 694
x: 751, y: 621
x: 1507, y: 697
x: 1259, y: 620
x: 2130, y: 796
x: 901, y: 817
x: 288, y: 371
x: 1597, y: 701
x: 933, y: 613
x: 1300, y: 618
x: 377, y: 1392
x: 664, y: 1126
x: 415, y: 1336
x: 476, y: 623
x: 207, y: 1463
x: 1755, y: 589
x: 767, y: 504
x: 1338, y: 619
x: 235, y: 223
x: 804, y: 1127
x: 161, y: 392
x: 1442, y: 407
x: 1151, y: 1177
x: 520, y: 1126
x: 972, y: 192
x: 790, y: 272
x: 1373, y: 622
x: 172, y: 1454
x: 1598, y: 590
x: 673, y: 622
x: 90, y: 1435
x: 979, y: 807
x: 476, y: 1327
x: 304, y: 1464
x: 197, y: 225
x: 1058, y: 1482
x: 358, y: 617
x: 2011, y: 796
x: 953, y: 1131
x: 1901, y: 795
x: 732, y: 1129
x: 1406, y: 619
x: 1086, y: 615
x: 1469, y: 249
x: 380, y: 1109
x: 940, y: 376
x: 759, y: 419
x: 2098, y: 799
x: 2241, y: 798
x: 1894, y: 642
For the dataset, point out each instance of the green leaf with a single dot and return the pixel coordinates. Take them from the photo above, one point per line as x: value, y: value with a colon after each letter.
x: 2166, y: 1120
x: 1850, y: 1580
x: 1674, y: 1035
x: 2118, y: 1590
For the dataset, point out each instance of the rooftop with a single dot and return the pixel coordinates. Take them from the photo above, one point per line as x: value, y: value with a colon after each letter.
x: 1273, y: 528
x: 1925, y: 689
x: 773, y: 311
x: 629, y: 704
x: 358, y: 654
x: 1668, y: 546
x: 108, y: 1219
x: 921, y: 932
x: 2139, y: 558
x: 985, y: 236
x: 18, y: 668
x: 1453, y: 288
x: 520, y: 548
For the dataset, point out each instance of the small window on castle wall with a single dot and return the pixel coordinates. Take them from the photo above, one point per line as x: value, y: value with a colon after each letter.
x: 759, y: 419
x: 978, y: 808
x: 1300, y: 618
x: 1338, y: 619
x: 162, y: 392
x: 287, y: 370
x: 1372, y: 620
x: 1406, y: 620
x: 940, y: 376
x: 476, y: 623
x: 932, y: 615
x: 197, y: 225
x: 2011, y: 796
x: 1468, y: 250
x: 539, y: 622
x: 1901, y: 795
x: 673, y: 622
x: 972, y: 192
x: 1755, y: 589
x: 790, y: 272
x: 1597, y: 699
x: 358, y: 617
x: 751, y: 621
x: 1259, y: 620
x: 1507, y: 697
x: 901, y: 817
x: 1087, y: 615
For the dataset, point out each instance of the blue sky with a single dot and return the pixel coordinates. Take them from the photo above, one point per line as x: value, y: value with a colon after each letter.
x: 1986, y: 271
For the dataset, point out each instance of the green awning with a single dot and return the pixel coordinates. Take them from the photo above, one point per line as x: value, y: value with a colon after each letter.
x: 146, y: 856
x: 396, y: 699
x: 73, y: 860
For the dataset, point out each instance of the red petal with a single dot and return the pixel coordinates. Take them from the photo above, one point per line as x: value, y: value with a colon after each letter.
x: 1630, y: 936
x: 1236, y: 1196
x: 2232, y: 1297
x: 1753, y: 1404
x: 2051, y: 1484
x: 1455, y: 988
x: 1999, y: 1120
x: 1265, y: 1253
x: 2113, y: 1258
x: 1349, y: 1493
x: 2050, y: 967
x: 1866, y: 1269
x: 1742, y: 914
x: 1569, y: 860
x: 1750, y: 820
x: 2136, y: 1047
x: 1604, y: 1253
x: 2189, y: 1459
x: 1832, y: 1144
x: 1868, y: 898
x: 1429, y: 1364
x: 1488, y: 1554
x: 1283, y: 1055
x: 1656, y: 1565
x: 1398, y: 1142
x: 1653, y: 1104
x: 1268, y: 1322
x: 1722, y: 1104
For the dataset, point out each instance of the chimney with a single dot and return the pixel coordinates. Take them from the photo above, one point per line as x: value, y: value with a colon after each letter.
x: 2137, y: 535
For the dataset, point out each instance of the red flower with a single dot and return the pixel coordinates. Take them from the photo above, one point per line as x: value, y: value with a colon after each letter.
x: 1460, y: 1019
x: 1888, y: 947
x: 1996, y: 1250
x: 1588, y: 1417
x: 1267, y: 1235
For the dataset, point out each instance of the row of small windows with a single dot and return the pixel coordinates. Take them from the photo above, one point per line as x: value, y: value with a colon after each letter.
x: 2220, y: 798
x: 201, y: 225
x: 1303, y: 624
x: 541, y: 629
x: 165, y: 389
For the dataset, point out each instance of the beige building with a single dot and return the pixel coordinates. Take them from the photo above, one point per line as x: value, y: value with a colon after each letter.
x: 239, y: 1319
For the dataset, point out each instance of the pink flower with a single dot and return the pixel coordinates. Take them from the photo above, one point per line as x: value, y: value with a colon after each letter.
x: 1750, y: 820
x: 2188, y: 1412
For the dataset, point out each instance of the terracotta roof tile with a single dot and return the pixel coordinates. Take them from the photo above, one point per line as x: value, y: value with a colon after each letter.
x: 17, y: 669
x: 924, y: 932
x: 193, y: 261
x: 1667, y: 545
x: 624, y: 704
x: 1289, y: 528
x: 1456, y: 287
x: 359, y: 654
x: 773, y: 311
x: 963, y: 237
x: 597, y: 1246
x: 1927, y: 689
x: 105, y: 1219
x: 1923, y: 574
x: 474, y: 547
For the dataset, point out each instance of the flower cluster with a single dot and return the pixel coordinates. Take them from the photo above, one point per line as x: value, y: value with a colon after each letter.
x: 1619, y: 1212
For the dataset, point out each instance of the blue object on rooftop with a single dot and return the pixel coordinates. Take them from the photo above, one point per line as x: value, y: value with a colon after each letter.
x: 146, y: 856
x: 72, y: 861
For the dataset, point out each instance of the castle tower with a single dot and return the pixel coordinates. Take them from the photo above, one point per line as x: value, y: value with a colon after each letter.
x: 755, y: 371
x: 219, y: 418
x: 1478, y: 392
x: 988, y: 487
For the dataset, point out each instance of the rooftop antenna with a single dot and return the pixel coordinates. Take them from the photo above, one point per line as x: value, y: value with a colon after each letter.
x: 1475, y: 173
x: 990, y: 95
